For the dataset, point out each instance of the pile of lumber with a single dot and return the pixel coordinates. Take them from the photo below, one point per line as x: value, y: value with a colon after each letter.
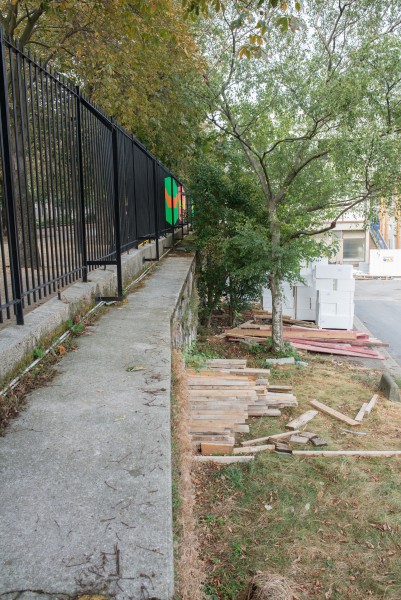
x: 265, y: 316
x: 224, y: 394
x: 323, y: 341
x: 283, y: 442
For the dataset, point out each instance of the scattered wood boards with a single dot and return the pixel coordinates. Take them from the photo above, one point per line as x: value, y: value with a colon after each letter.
x: 333, y: 413
x: 270, y: 438
x: 361, y: 412
x: 302, y: 419
x: 254, y: 449
x: 361, y: 453
x: 225, y: 460
x: 366, y: 408
x: 304, y: 337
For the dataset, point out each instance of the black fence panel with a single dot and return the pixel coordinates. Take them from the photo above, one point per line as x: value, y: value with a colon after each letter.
x: 77, y: 189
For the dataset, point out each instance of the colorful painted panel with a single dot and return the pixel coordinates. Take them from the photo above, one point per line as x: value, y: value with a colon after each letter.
x: 171, y: 200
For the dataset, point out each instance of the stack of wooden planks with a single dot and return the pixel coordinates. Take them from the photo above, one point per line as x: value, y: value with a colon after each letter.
x: 224, y: 394
x: 265, y: 316
x: 323, y: 341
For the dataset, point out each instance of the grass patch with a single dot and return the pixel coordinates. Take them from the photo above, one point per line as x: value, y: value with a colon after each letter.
x: 334, y: 524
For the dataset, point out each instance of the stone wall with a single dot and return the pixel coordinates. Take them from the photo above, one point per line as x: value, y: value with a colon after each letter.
x: 184, y: 322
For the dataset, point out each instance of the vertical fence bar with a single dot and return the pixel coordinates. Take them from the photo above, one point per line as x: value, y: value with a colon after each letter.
x: 117, y: 214
x: 81, y: 189
x: 156, y: 209
x: 8, y: 185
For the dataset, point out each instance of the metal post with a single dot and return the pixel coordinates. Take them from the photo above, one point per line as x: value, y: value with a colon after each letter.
x: 117, y: 214
x: 81, y: 189
x: 8, y: 184
x: 156, y: 210
x: 172, y: 210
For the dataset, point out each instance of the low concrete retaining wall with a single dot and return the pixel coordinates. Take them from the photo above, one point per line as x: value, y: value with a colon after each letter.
x: 184, y: 321
x: 17, y: 341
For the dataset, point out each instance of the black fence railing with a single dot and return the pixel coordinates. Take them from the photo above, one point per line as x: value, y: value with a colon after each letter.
x: 77, y: 189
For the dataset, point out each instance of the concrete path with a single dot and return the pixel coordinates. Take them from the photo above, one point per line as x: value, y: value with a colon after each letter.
x: 85, y: 471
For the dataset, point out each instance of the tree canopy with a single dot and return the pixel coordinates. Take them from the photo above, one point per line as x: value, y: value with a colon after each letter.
x: 138, y: 60
x: 317, y: 118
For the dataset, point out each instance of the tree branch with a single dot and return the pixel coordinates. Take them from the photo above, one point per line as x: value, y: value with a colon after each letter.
x: 334, y: 222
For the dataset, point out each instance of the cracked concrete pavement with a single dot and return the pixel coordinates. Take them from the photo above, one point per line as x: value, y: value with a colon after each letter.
x: 85, y: 470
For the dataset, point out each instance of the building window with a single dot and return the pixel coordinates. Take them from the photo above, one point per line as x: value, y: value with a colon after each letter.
x: 354, y: 249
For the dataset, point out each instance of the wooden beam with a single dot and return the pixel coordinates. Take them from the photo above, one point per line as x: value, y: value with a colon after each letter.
x: 277, y: 437
x: 361, y: 413
x: 254, y: 449
x: 224, y: 460
x: 371, y: 404
x: 208, y: 448
x: 361, y: 453
x: 302, y: 419
x: 279, y: 388
x: 333, y: 413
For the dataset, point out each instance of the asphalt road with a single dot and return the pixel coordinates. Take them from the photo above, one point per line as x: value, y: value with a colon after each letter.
x: 378, y: 306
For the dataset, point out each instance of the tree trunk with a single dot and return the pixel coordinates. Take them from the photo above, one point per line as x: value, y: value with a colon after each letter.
x: 275, y: 281
x: 277, y: 314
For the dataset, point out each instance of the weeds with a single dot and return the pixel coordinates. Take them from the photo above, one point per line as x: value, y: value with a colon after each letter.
x: 195, y: 358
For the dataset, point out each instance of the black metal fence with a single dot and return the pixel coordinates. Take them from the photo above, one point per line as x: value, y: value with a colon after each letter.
x: 77, y: 189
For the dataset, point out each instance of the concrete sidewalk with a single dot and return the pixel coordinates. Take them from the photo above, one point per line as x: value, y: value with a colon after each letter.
x: 85, y: 471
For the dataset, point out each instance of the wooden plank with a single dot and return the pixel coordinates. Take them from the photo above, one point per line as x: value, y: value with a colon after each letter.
x: 333, y: 413
x: 212, y: 428
x: 208, y: 448
x: 215, y: 407
x: 218, y: 375
x: 248, y: 371
x: 371, y: 404
x: 281, y: 395
x: 232, y: 416
x: 236, y: 363
x: 279, y: 388
x: 361, y: 413
x: 232, y: 393
x: 335, y: 351
x: 224, y: 460
x: 270, y: 438
x: 283, y: 447
x: 309, y: 434
x: 361, y: 453
x: 264, y: 412
x: 264, y: 331
x: 213, y: 437
x: 302, y: 419
x: 208, y: 382
x: 298, y: 439
x: 254, y: 449
x: 317, y: 441
x: 241, y: 428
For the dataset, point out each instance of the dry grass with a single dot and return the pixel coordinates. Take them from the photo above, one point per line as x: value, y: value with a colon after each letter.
x: 334, y: 525
x: 267, y: 586
x: 189, y: 568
